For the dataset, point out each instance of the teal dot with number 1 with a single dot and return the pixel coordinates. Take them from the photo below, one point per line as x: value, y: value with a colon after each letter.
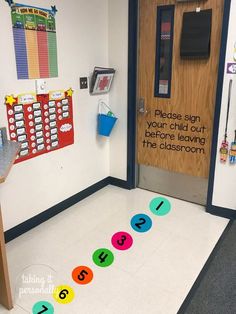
x: 43, y: 307
x: 160, y: 206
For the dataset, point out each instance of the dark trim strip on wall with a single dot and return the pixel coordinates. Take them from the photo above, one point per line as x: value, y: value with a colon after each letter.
x: 60, y: 207
x: 222, y: 212
x: 119, y: 183
x: 210, y: 208
x: 53, y: 211
x: 132, y: 96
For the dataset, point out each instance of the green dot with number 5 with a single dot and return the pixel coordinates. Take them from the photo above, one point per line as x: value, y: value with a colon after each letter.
x: 63, y: 294
x: 103, y: 257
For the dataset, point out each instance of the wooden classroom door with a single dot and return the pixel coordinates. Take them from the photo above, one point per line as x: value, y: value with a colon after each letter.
x: 176, y: 100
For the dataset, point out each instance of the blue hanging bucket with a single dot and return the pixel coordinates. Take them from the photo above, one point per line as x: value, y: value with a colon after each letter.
x: 106, y: 121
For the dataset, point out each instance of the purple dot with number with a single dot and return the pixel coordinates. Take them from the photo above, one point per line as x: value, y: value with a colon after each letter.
x: 122, y: 240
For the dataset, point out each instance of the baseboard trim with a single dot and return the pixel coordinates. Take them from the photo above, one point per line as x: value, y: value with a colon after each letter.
x: 53, y: 211
x: 33, y: 222
x: 120, y: 183
x: 221, y: 212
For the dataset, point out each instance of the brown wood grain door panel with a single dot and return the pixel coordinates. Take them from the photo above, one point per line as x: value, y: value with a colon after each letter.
x: 193, y: 92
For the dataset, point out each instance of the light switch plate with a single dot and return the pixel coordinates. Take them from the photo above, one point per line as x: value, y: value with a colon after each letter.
x: 83, y: 82
x: 40, y: 86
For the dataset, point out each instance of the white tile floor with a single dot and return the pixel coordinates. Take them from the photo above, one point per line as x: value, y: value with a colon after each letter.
x: 153, y: 277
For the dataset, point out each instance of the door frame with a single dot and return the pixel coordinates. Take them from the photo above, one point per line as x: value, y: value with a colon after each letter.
x: 132, y: 101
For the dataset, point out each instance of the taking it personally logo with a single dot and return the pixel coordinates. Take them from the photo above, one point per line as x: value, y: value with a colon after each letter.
x: 34, y: 282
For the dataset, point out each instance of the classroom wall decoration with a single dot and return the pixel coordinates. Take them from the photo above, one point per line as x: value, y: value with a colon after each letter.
x: 196, y: 34
x: 224, y: 148
x: 34, y: 32
x: 101, y: 80
x: 40, y: 123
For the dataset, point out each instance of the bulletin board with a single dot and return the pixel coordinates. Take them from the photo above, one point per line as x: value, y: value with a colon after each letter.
x: 40, y: 123
x: 34, y: 33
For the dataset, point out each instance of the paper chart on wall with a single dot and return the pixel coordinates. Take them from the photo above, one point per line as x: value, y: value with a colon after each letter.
x: 34, y: 32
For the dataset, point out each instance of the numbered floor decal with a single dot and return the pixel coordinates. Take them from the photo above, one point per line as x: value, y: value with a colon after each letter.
x: 43, y: 307
x: 122, y: 240
x: 141, y: 223
x: 63, y: 294
x: 160, y: 206
x: 82, y: 275
x: 103, y: 257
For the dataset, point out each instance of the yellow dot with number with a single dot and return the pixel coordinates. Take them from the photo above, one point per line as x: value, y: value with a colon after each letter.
x: 63, y: 294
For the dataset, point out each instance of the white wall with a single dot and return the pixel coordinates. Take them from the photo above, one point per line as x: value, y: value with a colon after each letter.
x: 118, y: 58
x: 225, y: 175
x: 89, y: 33
x: 82, y: 37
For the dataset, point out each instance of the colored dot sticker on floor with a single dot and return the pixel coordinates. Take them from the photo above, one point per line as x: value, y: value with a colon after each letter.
x: 103, y: 257
x: 141, y: 223
x: 122, y: 240
x: 160, y: 206
x: 82, y: 275
x: 63, y: 294
x: 43, y: 307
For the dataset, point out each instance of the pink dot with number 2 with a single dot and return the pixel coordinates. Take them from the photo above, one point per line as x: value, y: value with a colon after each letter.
x: 122, y: 240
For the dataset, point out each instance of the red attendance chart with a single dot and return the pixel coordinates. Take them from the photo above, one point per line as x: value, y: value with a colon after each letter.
x: 40, y: 123
x: 34, y: 32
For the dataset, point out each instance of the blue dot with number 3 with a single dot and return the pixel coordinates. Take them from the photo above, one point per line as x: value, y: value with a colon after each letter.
x: 43, y: 307
x: 141, y: 223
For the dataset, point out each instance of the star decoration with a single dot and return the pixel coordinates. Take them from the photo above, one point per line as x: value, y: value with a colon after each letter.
x: 10, y: 100
x: 70, y: 92
x: 10, y: 2
x: 54, y: 9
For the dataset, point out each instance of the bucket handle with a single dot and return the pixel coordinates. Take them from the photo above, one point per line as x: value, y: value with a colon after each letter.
x: 101, y: 104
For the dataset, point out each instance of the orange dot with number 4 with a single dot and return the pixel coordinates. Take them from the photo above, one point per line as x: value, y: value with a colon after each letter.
x: 82, y: 275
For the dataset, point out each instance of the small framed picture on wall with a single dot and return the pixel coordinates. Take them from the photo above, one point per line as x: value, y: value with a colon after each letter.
x: 101, y: 80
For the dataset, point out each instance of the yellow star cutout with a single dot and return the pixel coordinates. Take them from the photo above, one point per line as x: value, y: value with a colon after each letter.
x: 10, y: 100
x: 70, y: 92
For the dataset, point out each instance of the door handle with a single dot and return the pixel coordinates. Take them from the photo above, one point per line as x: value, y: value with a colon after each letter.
x: 141, y: 106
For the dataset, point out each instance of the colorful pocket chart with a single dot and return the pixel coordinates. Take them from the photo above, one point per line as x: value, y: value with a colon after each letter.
x: 40, y: 123
x: 35, y: 42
